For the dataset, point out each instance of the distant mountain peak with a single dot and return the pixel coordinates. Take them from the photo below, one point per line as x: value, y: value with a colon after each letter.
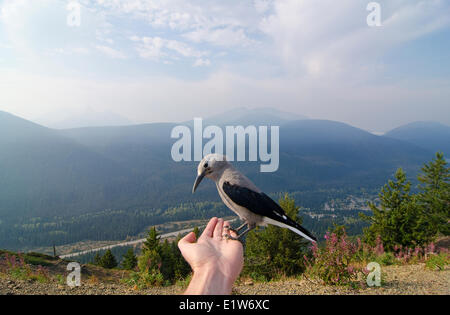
x: 14, y: 128
x: 252, y: 116
x: 89, y: 118
x: 421, y: 124
x: 431, y: 135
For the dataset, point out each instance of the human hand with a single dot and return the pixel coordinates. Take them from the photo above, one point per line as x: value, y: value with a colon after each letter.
x: 215, y: 260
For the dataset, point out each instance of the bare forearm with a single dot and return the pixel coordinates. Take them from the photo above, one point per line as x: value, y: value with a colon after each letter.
x: 209, y: 281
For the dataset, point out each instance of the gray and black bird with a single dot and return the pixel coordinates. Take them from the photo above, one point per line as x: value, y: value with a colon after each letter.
x: 239, y: 194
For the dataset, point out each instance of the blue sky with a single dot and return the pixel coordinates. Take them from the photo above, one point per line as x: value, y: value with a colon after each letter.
x: 174, y: 60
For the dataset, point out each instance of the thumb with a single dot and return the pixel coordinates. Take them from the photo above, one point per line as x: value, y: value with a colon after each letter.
x: 188, y: 239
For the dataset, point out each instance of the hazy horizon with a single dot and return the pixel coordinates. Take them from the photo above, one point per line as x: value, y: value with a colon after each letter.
x: 96, y: 121
x: 148, y: 61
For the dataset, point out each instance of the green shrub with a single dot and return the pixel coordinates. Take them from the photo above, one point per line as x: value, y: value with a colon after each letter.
x: 36, y: 260
x: 184, y: 282
x: 273, y: 252
x: 129, y: 260
x: 17, y: 267
x: 258, y: 277
x: 60, y: 279
x: 160, y: 263
x: 386, y: 259
x: 438, y: 261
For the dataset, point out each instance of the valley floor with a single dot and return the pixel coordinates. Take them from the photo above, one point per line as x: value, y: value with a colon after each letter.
x: 398, y: 280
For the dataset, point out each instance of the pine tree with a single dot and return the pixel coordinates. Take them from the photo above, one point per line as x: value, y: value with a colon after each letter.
x: 434, y: 196
x: 181, y: 267
x: 108, y: 260
x: 167, y: 261
x: 153, y: 240
x: 149, y: 262
x: 129, y: 260
x: 275, y: 251
x: 196, y: 232
x: 399, y: 220
x: 97, y: 259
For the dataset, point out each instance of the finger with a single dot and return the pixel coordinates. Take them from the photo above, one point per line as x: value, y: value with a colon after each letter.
x: 209, y: 229
x: 218, y: 229
x: 188, y: 239
x: 227, y: 230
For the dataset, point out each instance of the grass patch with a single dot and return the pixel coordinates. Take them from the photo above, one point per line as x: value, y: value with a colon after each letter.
x: 437, y: 262
x: 36, y: 260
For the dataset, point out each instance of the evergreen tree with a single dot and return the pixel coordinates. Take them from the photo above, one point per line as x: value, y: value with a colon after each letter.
x: 97, y: 259
x: 162, y: 259
x: 108, y: 260
x: 167, y: 261
x: 434, y: 196
x: 153, y: 240
x: 196, y: 232
x: 337, y: 229
x: 399, y: 220
x: 181, y: 267
x: 275, y: 251
x: 129, y: 260
x: 149, y: 262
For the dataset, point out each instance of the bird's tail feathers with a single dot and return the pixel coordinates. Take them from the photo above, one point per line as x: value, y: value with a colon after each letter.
x: 294, y: 227
x: 309, y: 238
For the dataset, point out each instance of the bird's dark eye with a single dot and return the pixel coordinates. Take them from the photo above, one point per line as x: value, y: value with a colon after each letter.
x: 206, y: 165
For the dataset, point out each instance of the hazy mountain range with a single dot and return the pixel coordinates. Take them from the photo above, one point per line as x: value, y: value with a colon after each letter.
x: 47, y: 172
x: 87, y: 118
x: 430, y: 135
x: 256, y: 116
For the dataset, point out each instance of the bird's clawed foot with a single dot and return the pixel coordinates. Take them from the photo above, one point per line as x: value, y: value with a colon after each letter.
x: 241, y: 235
x: 230, y: 229
x: 229, y: 237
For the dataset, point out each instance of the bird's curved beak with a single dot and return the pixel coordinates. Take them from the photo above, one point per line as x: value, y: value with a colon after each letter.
x: 197, y: 181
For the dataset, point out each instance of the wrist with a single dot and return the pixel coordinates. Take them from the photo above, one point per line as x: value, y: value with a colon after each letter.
x: 209, y: 280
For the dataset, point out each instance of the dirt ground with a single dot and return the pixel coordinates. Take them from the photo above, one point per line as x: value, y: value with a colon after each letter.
x: 397, y: 280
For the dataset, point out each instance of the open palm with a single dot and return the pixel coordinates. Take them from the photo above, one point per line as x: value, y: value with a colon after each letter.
x: 213, y: 251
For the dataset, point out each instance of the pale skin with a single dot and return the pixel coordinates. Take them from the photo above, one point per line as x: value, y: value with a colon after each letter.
x: 216, y: 261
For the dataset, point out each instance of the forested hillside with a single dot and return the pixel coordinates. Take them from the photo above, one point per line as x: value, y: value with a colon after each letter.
x: 59, y: 186
x: 426, y: 134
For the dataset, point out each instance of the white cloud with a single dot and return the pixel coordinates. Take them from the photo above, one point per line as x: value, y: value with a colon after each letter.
x: 69, y: 51
x: 156, y: 48
x: 318, y: 58
x: 11, y: 12
x: 39, y: 28
x: 225, y: 37
x: 262, y: 6
x: 102, y: 36
x: 214, y: 19
x: 183, y: 49
x: 81, y: 50
x: 13, y: 21
x: 305, y: 37
x: 332, y: 38
x: 150, y: 48
x: 202, y: 62
x: 184, y: 15
x: 110, y: 52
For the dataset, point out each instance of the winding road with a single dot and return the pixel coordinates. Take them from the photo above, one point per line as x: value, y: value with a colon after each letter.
x: 128, y: 243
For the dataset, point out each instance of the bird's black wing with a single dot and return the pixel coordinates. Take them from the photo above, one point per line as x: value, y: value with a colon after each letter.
x: 261, y: 204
